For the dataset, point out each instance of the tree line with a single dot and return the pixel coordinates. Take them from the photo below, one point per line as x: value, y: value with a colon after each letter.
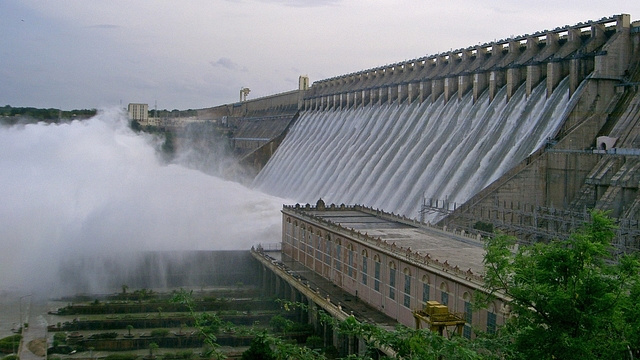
x: 12, y: 115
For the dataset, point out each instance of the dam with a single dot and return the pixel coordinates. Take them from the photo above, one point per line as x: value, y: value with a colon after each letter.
x: 524, y: 133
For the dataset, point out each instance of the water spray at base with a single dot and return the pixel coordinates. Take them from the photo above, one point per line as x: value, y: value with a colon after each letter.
x: 95, y: 188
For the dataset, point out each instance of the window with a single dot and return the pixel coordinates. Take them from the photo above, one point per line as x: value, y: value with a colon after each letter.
x: 425, y: 288
x: 491, y: 319
x: 376, y: 282
x: 392, y: 280
x: 407, y: 288
x: 444, y: 296
x: 338, y: 256
x: 364, y: 267
x: 289, y: 232
x: 350, y: 268
x: 327, y: 247
x: 468, y: 315
x: 319, y: 247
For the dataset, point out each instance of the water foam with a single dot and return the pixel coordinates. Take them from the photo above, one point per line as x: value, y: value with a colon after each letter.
x: 390, y: 156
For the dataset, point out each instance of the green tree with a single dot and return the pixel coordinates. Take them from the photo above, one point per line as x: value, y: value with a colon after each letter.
x: 259, y: 349
x: 571, y: 299
x: 135, y: 126
x: 280, y: 324
x: 152, y: 346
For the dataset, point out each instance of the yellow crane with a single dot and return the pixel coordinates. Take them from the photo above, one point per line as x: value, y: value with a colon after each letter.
x: 437, y: 317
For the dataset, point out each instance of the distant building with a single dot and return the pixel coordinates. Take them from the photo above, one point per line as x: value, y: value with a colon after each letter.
x: 303, y: 82
x: 139, y: 112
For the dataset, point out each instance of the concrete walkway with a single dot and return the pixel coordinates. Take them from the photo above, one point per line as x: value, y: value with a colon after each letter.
x: 36, y: 311
x: 350, y: 304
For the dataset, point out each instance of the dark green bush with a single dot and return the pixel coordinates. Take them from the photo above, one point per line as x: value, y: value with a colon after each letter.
x: 483, y: 226
x: 9, y: 343
x: 314, y: 342
x: 159, y: 332
x: 107, y: 335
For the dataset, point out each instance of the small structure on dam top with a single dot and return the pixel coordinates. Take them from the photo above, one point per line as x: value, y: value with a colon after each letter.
x: 414, y: 273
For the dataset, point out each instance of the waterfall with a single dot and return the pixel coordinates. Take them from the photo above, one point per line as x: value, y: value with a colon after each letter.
x: 391, y: 156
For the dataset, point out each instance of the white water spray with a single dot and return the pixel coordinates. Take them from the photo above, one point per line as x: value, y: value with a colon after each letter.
x: 390, y: 156
x: 95, y: 188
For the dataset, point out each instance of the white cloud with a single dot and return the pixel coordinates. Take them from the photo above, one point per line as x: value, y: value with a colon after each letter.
x: 228, y: 64
x: 260, y: 41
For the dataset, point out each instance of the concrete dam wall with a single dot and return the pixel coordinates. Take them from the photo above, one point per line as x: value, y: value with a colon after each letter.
x: 505, y: 133
x: 599, y: 47
x: 448, y: 126
x: 390, y: 156
x: 157, y: 270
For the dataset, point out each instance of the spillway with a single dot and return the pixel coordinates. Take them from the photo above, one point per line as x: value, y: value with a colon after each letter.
x: 392, y: 156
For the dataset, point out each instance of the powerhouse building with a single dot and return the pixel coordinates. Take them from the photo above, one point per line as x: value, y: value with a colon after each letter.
x: 394, y: 264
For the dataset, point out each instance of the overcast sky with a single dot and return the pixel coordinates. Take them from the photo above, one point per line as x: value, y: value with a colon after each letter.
x: 199, y: 53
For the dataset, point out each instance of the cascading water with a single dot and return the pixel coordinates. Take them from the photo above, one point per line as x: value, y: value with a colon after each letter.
x: 390, y: 156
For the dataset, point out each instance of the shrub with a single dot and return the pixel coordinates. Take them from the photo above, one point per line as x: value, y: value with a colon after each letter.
x: 107, y: 335
x: 314, y: 342
x: 9, y: 343
x: 259, y: 350
x: 280, y: 324
x: 483, y: 226
x: 186, y: 354
x: 159, y: 332
x: 59, y: 336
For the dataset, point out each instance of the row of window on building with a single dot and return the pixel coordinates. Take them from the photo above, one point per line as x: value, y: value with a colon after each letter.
x: 305, y: 244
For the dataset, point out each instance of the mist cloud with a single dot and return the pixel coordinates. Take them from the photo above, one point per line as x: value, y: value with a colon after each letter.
x: 96, y: 188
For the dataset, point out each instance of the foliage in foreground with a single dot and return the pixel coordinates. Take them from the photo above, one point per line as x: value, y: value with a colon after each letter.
x: 571, y: 299
x: 406, y: 343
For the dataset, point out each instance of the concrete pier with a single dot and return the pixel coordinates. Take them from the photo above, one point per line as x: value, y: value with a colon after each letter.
x: 601, y: 47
